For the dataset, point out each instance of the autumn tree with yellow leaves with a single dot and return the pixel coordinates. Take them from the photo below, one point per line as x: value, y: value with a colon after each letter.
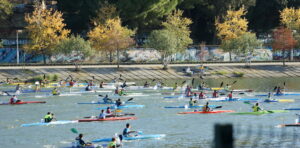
x: 45, y: 29
x: 112, y: 37
x: 234, y: 35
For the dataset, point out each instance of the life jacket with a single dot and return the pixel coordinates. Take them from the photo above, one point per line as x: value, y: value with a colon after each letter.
x: 230, y: 96
x: 116, y: 91
x: 71, y: 83
x: 11, y: 101
x: 215, y: 95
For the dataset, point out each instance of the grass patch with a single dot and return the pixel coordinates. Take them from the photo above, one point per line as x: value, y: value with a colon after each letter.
x: 49, y: 78
x: 219, y: 72
x: 238, y: 74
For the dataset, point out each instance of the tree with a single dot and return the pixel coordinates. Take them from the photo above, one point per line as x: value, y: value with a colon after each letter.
x: 45, y: 29
x: 111, y: 36
x: 232, y: 27
x: 177, y: 27
x: 107, y: 11
x: 74, y: 44
x: 145, y: 15
x: 5, y: 9
x: 283, y: 40
x: 165, y: 42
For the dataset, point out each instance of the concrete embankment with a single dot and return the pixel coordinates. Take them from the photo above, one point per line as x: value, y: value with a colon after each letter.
x: 143, y: 72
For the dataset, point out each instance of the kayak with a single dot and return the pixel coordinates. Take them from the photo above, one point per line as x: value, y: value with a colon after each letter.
x: 290, y: 125
x: 274, y: 100
x: 49, y: 123
x: 28, y: 91
x: 292, y: 109
x: 117, y: 115
x: 61, y: 95
x: 284, y: 94
x: 196, y: 106
x: 108, y: 119
x: 25, y: 102
x: 92, y: 146
x: 139, y: 137
x: 122, y: 106
x: 260, y: 112
x: 209, y: 112
x: 226, y: 99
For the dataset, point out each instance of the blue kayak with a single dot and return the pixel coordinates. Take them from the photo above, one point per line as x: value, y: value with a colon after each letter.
x: 122, y: 106
x: 133, y: 138
x: 28, y: 91
x: 49, y: 123
x: 284, y: 94
x: 292, y: 109
x: 100, y: 102
x: 240, y: 99
x: 196, y: 106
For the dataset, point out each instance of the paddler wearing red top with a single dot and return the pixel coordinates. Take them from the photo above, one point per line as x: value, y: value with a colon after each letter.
x: 201, y: 95
x: 230, y: 96
x: 14, y: 100
x: 215, y: 94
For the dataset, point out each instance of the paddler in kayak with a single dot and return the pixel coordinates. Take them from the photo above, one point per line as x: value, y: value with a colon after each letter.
x: 122, y: 92
x: 108, y: 111
x: 230, y: 98
x: 102, y: 115
x: 113, y: 143
x: 188, y: 91
x: 201, y: 95
x: 88, y: 88
x: 256, y: 108
x: 146, y: 85
x: 119, y: 102
x: 55, y: 92
x: 18, y: 89
x: 117, y: 90
x: 215, y: 94
x: 191, y: 102
x: 101, y: 84
x: 205, y: 108
x: 106, y: 99
x: 48, y: 118
x: 14, y: 100
x: 269, y: 97
x: 278, y: 91
x: 227, y: 87
x: 80, y: 142
x: 127, y: 131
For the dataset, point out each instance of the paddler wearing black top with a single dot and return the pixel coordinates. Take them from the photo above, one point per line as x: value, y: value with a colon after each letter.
x: 119, y: 102
x: 81, y: 143
x: 205, y: 108
x: 101, y: 85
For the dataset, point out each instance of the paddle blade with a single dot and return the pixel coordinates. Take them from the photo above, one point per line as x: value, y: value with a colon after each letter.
x: 234, y: 82
x: 221, y: 84
x: 218, y: 107
x: 74, y: 130
x: 130, y: 99
x: 247, y: 102
x: 283, y: 83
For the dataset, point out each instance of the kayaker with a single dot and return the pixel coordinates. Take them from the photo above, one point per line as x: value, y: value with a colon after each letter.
x: 269, y: 97
x: 113, y: 143
x: 124, y: 85
x: 195, y: 96
x: 37, y: 85
x: 205, y: 108
x: 230, y: 96
x: 88, y: 88
x: 175, y: 86
x: 117, y: 90
x: 107, y: 100
x: 71, y: 83
x: 146, y: 85
x: 14, y: 100
x: 102, y: 115
x: 215, y: 94
x: 118, y: 102
x: 48, y: 118
x: 201, y: 95
x: 18, y: 89
x: 80, y: 142
x: 298, y: 119
x: 256, y: 107
x: 127, y: 132
x: 101, y: 85
x: 191, y: 102
x: 121, y: 92
x: 227, y: 87
x: 108, y: 111
x: 55, y: 92
x: 278, y: 91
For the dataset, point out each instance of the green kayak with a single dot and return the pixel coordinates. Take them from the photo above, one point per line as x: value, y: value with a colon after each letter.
x: 260, y: 112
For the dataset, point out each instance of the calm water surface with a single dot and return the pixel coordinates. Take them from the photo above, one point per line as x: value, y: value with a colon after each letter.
x: 182, y: 130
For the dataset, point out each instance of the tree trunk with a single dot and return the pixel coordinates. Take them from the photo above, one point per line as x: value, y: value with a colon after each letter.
x: 44, y: 58
x: 110, y: 57
x: 283, y: 57
x: 118, y: 58
x: 164, y: 62
x: 291, y: 54
x: 230, y: 57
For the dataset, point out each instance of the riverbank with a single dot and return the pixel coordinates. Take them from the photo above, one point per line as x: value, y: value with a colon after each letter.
x: 154, y: 71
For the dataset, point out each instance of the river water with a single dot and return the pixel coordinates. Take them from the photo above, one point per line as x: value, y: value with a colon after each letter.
x: 193, y: 130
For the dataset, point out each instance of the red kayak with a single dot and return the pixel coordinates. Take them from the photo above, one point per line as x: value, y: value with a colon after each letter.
x: 108, y: 119
x: 209, y: 112
x: 25, y: 102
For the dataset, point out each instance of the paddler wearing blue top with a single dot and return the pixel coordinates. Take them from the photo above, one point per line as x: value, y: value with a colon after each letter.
x: 127, y: 131
x: 256, y: 108
x: 102, y: 115
x: 107, y: 100
x: 119, y: 102
x: 80, y: 142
